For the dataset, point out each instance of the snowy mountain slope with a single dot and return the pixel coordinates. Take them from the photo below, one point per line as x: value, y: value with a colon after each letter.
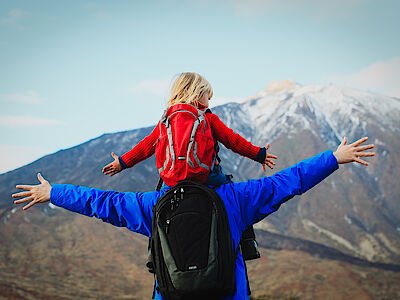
x: 346, y: 111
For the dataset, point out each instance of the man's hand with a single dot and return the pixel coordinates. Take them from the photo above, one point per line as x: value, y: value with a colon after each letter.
x: 39, y: 193
x: 114, y: 167
x: 352, y: 153
x: 268, y: 161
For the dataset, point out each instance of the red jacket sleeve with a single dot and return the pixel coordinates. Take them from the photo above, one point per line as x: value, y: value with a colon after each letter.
x: 232, y: 140
x: 144, y: 149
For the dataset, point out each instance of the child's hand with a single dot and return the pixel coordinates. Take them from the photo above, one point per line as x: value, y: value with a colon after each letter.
x: 270, y: 163
x: 114, y: 167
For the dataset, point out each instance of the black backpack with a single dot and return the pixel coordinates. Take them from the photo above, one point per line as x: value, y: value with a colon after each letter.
x: 191, y: 244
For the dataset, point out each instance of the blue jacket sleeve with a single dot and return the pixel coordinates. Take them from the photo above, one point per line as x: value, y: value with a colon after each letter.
x: 131, y: 210
x: 253, y: 200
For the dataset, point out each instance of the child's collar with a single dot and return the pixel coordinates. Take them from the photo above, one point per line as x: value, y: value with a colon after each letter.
x: 201, y: 106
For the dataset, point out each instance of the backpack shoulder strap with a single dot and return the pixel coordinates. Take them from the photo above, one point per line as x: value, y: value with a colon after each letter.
x: 159, y: 184
x: 164, y: 116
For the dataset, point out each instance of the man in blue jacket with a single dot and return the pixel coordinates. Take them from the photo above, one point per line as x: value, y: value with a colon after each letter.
x: 246, y: 202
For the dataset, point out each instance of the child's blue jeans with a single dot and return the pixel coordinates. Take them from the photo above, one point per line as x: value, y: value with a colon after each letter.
x: 217, y: 177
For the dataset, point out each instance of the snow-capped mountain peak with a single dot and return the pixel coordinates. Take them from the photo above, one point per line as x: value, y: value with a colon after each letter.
x: 344, y: 111
x: 276, y: 87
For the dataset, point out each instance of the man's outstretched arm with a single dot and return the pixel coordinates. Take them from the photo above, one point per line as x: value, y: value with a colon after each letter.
x: 255, y: 199
x: 131, y: 210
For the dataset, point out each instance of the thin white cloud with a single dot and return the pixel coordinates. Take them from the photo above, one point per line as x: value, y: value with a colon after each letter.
x: 155, y: 87
x: 15, y: 16
x: 382, y: 77
x: 91, y: 5
x: 316, y: 9
x: 30, y: 97
x: 13, y: 156
x: 94, y: 8
x: 26, y: 121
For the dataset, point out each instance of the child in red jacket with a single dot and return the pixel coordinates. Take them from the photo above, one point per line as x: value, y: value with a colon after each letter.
x: 193, y: 89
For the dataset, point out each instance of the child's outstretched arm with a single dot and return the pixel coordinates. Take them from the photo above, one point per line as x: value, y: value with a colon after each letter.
x: 239, y: 144
x: 114, y: 167
x: 143, y: 150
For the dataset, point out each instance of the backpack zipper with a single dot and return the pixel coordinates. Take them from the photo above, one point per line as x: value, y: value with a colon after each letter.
x: 167, y: 225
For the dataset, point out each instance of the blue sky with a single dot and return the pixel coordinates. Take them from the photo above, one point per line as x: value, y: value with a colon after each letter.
x: 73, y: 70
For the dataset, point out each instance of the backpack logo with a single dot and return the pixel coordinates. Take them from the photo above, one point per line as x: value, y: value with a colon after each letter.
x: 185, y: 148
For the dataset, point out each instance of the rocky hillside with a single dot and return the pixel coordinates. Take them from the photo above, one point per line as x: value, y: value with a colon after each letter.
x: 54, y: 254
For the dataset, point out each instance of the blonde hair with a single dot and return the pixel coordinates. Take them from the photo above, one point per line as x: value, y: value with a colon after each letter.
x: 188, y: 88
